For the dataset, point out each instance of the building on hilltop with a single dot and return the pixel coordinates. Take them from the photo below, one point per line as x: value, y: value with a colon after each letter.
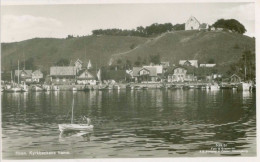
x: 193, y: 63
x: 193, y: 24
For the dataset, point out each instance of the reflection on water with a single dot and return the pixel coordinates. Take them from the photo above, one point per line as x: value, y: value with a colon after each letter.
x: 127, y: 123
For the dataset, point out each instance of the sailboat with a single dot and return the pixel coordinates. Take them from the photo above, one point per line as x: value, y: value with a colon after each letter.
x: 14, y: 87
x: 75, y: 127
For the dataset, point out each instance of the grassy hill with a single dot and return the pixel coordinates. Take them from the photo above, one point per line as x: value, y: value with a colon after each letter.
x: 47, y: 51
x: 223, y: 47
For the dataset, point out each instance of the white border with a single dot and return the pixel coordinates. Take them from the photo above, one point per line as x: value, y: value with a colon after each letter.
x: 186, y: 159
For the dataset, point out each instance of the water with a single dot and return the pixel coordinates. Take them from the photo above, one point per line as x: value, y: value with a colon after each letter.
x: 146, y: 123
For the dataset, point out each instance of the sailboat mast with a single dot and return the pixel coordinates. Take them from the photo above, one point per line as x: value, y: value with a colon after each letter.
x: 72, y: 111
x: 18, y: 72
x: 11, y: 76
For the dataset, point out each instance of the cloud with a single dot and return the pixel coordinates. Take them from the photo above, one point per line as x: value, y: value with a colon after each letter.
x: 245, y: 12
x: 26, y: 26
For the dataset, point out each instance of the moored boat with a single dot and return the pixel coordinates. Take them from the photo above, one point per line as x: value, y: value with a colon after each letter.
x: 55, y: 88
x: 37, y: 88
x: 245, y: 86
x: 214, y: 87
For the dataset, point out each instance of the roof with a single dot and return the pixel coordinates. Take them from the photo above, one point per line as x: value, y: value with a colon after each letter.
x: 28, y: 72
x: 207, y: 65
x: 193, y: 62
x: 193, y: 18
x: 92, y: 73
x: 152, y: 70
x: 63, y: 71
x: 37, y: 71
x: 234, y: 75
x: 78, y: 60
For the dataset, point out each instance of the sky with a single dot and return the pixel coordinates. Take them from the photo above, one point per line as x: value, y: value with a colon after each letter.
x: 22, y: 22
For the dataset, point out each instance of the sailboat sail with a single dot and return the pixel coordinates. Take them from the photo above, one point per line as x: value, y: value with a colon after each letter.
x: 99, y: 75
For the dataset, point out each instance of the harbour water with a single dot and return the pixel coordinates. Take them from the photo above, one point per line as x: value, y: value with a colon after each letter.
x: 137, y: 123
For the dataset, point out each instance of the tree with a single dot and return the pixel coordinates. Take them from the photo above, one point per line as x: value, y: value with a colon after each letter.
x: 138, y: 61
x: 230, y: 24
x: 211, y: 61
x: 245, y: 66
x: 62, y: 62
x: 128, y: 64
x: 156, y: 59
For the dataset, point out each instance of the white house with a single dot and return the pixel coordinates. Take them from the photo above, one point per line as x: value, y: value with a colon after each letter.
x: 189, y: 63
x: 192, y: 24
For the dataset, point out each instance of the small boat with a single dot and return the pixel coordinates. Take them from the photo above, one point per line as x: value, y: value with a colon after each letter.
x: 46, y: 88
x: 24, y: 88
x: 14, y: 89
x: 245, y: 86
x: 137, y: 87
x: 109, y: 87
x: 75, y: 127
x: 37, y: 88
x: 117, y: 87
x: 214, y: 87
x: 132, y: 87
x: 74, y: 89
x: 55, y: 88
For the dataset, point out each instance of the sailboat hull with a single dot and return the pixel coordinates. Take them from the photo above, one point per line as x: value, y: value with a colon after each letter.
x: 75, y: 127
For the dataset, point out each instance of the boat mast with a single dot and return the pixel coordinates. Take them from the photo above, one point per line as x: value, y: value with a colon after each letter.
x: 11, y: 76
x: 18, y: 72
x: 72, y: 111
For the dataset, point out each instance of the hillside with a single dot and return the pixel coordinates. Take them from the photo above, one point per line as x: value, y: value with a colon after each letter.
x: 223, y: 47
x: 47, y: 51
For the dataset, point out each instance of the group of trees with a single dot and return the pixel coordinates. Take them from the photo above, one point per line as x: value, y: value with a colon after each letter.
x: 245, y: 66
x: 230, y: 24
x: 141, y: 31
x: 127, y: 64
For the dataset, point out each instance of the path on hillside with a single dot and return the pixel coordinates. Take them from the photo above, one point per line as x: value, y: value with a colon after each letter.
x: 138, y: 46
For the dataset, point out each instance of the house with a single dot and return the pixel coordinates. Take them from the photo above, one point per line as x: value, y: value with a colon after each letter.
x: 78, y: 64
x: 180, y: 74
x: 193, y: 63
x: 37, y: 75
x: 235, y: 79
x: 165, y: 64
x: 63, y: 74
x: 24, y: 75
x: 203, y: 26
x: 192, y: 24
x: 208, y: 65
x: 86, y: 76
x: 145, y: 74
x: 159, y: 68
